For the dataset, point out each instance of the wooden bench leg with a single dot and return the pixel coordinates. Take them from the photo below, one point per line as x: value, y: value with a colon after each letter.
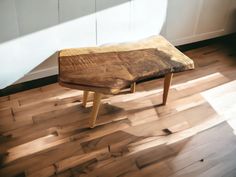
x: 85, y: 98
x: 167, y: 83
x: 133, y: 87
x: 96, y: 105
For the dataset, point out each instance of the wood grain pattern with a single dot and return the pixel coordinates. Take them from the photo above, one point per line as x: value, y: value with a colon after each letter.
x: 44, y: 132
x: 119, y: 68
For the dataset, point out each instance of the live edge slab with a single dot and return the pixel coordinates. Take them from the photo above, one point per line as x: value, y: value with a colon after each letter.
x: 112, y: 68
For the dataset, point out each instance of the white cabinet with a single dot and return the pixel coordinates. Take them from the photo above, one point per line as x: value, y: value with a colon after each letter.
x: 113, y: 21
x: 181, y: 18
x: 231, y: 22
x: 8, y: 20
x: 35, y: 15
x: 148, y: 17
x: 35, y: 29
x: 77, y: 23
x: 213, y: 16
x: 75, y: 9
x: 124, y: 20
x: 195, y: 20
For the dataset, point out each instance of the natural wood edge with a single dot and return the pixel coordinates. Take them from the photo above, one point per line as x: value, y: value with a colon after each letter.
x: 90, y: 88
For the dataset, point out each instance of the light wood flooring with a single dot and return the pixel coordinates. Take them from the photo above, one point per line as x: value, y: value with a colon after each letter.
x: 44, y: 131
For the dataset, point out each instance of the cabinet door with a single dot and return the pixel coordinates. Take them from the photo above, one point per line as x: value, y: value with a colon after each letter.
x: 113, y: 21
x: 35, y: 15
x: 181, y: 18
x: 8, y: 20
x: 231, y: 23
x: 34, y: 19
x: 148, y: 17
x: 77, y: 23
x: 213, y: 16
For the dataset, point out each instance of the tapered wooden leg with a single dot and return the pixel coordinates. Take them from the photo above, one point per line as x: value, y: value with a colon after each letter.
x: 133, y: 87
x: 85, y: 98
x: 167, y: 83
x: 96, y: 105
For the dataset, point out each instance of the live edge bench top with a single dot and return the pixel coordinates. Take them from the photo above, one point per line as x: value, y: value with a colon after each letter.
x: 108, y: 69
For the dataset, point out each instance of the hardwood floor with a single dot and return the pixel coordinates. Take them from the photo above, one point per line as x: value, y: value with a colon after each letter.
x: 44, y: 131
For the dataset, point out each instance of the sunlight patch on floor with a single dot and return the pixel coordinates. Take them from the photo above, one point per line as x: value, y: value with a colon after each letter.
x: 195, y: 82
x: 223, y: 100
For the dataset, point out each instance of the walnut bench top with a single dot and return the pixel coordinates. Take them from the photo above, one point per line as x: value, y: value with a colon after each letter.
x: 108, y: 69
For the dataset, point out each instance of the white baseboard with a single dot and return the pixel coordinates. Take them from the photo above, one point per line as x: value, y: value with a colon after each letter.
x: 39, y: 74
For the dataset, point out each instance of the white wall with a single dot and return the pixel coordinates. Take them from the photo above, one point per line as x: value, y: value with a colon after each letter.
x: 33, y: 30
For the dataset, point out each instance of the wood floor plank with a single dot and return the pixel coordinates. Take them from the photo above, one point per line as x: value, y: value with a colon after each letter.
x: 44, y: 132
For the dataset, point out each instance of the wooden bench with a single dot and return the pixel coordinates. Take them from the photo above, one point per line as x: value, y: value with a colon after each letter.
x: 109, y: 69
